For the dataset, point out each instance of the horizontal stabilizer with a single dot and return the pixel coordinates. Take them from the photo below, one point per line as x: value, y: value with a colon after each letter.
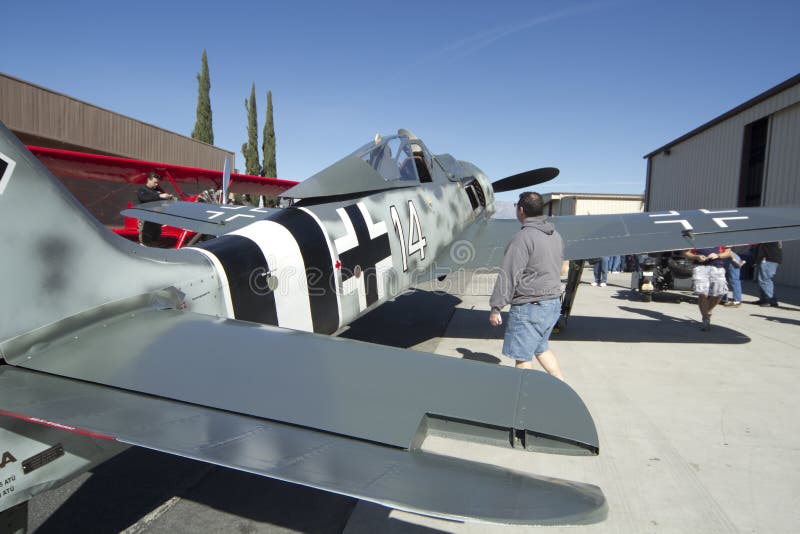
x: 349, y: 176
x: 209, y: 219
x: 416, y: 481
x: 360, y: 390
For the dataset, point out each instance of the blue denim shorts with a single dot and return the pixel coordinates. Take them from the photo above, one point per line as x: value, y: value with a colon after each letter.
x: 529, y: 328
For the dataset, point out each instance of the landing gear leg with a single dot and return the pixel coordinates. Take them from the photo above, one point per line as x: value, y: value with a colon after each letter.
x: 573, y: 281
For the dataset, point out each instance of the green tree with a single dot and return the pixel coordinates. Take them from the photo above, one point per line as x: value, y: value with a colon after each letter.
x: 270, y: 168
x: 250, y: 148
x: 203, y: 129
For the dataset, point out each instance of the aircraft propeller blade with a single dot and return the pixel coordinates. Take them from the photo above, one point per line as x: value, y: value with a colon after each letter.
x: 226, y: 179
x: 525, y: 179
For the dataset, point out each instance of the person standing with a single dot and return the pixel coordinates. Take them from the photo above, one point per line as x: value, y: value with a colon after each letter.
x: 767, y: 258
x: 151, y: 191
x: 530, y: 281
x: 601, y: 272
x: 708, y: 279
x: 733, y: 274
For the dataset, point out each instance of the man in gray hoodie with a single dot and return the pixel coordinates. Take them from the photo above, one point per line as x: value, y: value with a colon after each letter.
x: 530, y: 281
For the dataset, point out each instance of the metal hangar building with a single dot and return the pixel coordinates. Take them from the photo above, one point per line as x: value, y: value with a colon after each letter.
x: 42, y: 117
x: 748, y: 156
x: 591, y: 203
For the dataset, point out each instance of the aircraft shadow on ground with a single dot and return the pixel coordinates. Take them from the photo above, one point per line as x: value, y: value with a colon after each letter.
x: 475, y: 324
x: 126, y: 488
x: 664, y: 329
x: 410, y: 319
x: 789, y: 298
x: 421, y: 315
x: 675, y: 297
x: 375, y: 518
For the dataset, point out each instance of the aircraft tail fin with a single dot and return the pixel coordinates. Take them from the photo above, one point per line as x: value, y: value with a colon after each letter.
x: 58, y: 260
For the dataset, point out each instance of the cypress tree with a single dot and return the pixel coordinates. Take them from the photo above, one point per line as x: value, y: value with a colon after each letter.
x: 270, y: 168
x: 250, y: 148
x: 203, y: 129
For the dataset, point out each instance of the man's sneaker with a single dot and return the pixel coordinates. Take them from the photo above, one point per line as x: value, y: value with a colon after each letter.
x: 765, y: 304
x: 774, y: 304
x: 602, y: 284
x: 706, y: 324
x: 594, y: 284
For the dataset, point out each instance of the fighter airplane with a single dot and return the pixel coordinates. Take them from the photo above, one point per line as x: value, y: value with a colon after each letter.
x: 220, y: 352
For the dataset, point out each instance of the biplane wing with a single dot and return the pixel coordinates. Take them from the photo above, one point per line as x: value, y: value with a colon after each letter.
x: 209, y: 219
x: 66, y: 163
x: 105, y: 184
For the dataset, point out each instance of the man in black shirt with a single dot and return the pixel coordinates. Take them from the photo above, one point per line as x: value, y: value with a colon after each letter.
x: 149, y: 232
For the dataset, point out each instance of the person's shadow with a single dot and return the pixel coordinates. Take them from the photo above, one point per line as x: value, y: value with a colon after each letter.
x: 774, y: 319
x: 477, y: 356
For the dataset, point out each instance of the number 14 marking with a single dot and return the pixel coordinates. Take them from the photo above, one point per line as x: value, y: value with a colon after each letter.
x: 416, y: 241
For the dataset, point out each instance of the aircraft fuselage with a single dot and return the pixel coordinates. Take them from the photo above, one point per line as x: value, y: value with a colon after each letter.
x: 317, y: 267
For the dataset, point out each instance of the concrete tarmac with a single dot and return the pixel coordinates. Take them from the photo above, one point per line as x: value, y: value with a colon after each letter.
x: 698, y: 430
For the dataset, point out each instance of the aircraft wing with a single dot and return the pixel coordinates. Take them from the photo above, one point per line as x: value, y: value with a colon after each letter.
x: 329, y: 413
x: 66, y: 163
x: 593, y: 236
x: 105, y: 184
x: 210, y: 219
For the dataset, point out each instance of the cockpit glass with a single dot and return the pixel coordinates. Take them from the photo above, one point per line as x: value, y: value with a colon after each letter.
x: 392, y: 157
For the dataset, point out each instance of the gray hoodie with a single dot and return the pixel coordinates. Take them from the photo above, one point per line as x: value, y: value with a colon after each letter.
x: 531, y: 268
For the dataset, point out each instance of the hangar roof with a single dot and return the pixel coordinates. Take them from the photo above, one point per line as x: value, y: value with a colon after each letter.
x: 791, y: 82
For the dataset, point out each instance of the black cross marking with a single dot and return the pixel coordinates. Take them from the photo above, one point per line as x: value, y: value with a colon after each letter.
x: 3, y: 167
x: 365, y: 255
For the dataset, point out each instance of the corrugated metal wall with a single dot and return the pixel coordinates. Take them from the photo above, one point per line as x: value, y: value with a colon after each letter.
x: 782, y: 181
x: 42, y: 116
x: 586, y: 204
x: 591, y: 206
x: 704, y: 170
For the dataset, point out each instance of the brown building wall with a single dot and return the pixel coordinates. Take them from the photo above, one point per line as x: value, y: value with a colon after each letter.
x: 42, y: 117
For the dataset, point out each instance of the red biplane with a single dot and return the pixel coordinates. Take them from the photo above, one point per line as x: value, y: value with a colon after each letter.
x: 107, y: 184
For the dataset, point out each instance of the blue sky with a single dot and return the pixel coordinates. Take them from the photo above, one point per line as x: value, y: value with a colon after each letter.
x: 589, y: 87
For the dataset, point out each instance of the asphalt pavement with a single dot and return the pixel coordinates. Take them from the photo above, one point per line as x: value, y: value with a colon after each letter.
x: 698, y: 430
